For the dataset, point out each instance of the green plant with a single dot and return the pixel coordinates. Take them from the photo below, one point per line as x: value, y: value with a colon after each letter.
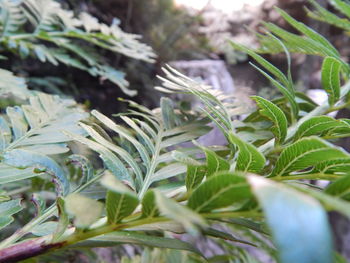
x: 50, y: 33
x: 152, y: 186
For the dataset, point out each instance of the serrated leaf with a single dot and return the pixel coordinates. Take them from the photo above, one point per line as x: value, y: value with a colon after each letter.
x: 77, y: 205
x: 340, y: 188
x: 249, y: 159
x: 214, y: 162
x: 120, y: 201
x: 276, y: 115
x: 309, y: 234
x: 319, y: 125
x: 305, y: 153
x: 149, y: 206
x: 219, y: 191
x: 337, y: 166
x: 330, y: 76
x: 194, y: 176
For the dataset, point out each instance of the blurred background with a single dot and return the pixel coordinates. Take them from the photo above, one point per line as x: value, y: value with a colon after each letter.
x: 191, y: 35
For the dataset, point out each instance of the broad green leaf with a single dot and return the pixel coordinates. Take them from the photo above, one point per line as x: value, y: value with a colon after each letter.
x: 305, y: 153
x: 24, y: 159
x: 219, y: 191
x: 149, y: 206
x: 84, y: 210
x: 120, y: 201
x: 123, y: 237
x: 319, y: 125
x: 194, y: 176
x: 298, y: 223
x: 214, y: 162
x: 249, y: 158
x: 179, y: 213
x: 340, y: 188
x: 330, y: 77
x: 119, y: 206
x: 276, y: 115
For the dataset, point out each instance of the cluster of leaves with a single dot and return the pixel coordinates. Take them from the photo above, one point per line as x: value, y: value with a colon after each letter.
x: 50, y: 33
x: 153, y: 187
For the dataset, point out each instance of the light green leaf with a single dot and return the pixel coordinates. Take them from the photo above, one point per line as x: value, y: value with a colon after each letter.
x: 10, y: 174
x: 297, y: 216
x: 120, y: 200
x: 77, y: 205
x: 249, y: 159
x: 24, y: 159
x: 305, y: 153
x: 276, y: 115
x: 7, y: 209
x: 219, y: 191
x: 149, y: 206
x: 179, y: 213
x: 44, y: 229
x: 214, y: 162
x: 330, y: 76
x: 168, y: 115
x: 10, y: 207
x: 194, y: 176
x: 307, y: 31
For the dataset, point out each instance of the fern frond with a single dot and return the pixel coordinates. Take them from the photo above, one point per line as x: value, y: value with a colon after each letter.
x: 30, y: 133
x: 9, y: 83
x: 150, y: 138
x: 27, y: 26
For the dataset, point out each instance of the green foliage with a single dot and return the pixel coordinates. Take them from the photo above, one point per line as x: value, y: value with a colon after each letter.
x: 48, y: 32
x: 153, y: 187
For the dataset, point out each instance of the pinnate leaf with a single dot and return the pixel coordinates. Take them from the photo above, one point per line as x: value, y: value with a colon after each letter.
x: 305, y: 153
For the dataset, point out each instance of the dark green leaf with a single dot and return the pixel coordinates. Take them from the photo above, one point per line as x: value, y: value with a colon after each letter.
x: 219, y: 191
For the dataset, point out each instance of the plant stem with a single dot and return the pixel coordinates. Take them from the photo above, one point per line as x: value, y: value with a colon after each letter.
x: 315, y: 176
